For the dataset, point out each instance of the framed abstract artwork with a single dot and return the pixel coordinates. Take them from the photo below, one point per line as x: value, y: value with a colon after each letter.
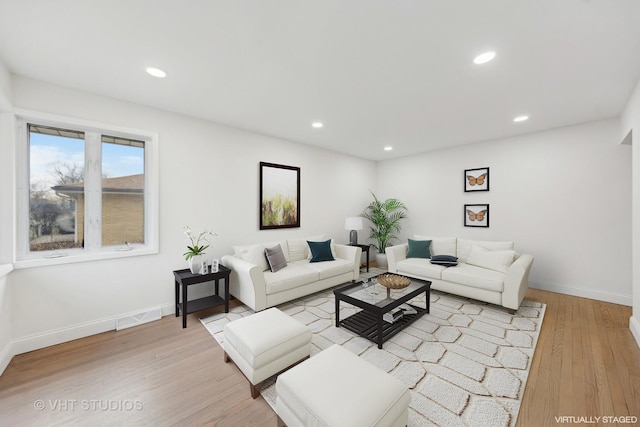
x: 476, y: 179
x: 279, y: 196
x: 476, y: 215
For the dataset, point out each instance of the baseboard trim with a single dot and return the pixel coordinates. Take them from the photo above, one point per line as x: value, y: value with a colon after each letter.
x: 634, y: 326
x: 5, y: 356
x: 60, y: 335
x: 612, y: 297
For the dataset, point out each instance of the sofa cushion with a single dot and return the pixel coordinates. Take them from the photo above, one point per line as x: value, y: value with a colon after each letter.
x: 464, y: 247
x: 493, y: 260
x: 275, y: 257
x: 440, y: 245
x: 331, y: 268
x: 320, y: 251
x: 253, y: 254
x: 420, y: 267
x: 288, y: 278
x: 419, y: 249
x: 475, y: 277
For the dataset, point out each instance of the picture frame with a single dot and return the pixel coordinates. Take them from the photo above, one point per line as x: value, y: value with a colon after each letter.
x: 279, y: 196
x: 476, y: 179
x: 215, y: 265
x: 476, y: 215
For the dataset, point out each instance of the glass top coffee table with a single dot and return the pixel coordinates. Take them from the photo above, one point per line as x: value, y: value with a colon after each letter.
x: 376, y: 301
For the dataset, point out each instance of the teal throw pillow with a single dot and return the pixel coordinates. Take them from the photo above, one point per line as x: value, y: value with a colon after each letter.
x: 320, y: 251
x: 419, y: 249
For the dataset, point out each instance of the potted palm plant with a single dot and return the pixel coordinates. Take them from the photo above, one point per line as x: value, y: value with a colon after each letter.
x: 385, y: 219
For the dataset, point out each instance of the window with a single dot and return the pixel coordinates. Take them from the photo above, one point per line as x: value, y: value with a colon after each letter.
x: 86, y: 193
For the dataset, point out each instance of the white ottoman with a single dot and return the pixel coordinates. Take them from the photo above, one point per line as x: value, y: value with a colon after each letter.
x: 336, y: 388
x: 264, y: 344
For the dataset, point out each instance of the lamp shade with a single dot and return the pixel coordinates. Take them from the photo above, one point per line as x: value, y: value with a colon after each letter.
x: 353, y: 223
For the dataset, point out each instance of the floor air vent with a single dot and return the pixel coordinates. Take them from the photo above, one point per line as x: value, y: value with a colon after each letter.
x: 138, y: 319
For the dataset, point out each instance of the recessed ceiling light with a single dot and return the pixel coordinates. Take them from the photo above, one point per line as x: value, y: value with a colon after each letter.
x: 317, y: 125
x: 156, y: 72
x: 388, y: 148
x: 521, y: 119
x: 483, y: 58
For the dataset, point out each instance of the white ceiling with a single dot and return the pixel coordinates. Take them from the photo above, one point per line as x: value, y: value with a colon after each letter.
x: 376, y: 72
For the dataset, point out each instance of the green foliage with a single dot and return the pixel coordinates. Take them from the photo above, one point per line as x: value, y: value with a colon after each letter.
x: 385, y: 219
x: 279, y: 210
x: 195, y: 247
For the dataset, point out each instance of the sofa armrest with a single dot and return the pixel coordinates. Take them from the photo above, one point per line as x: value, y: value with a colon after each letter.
x: 247, y: 282
x: 352, y: 254
x: 394, y: 254
x: 516, y: 282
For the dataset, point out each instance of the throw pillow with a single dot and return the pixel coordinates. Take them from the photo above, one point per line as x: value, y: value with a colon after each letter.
x: 320, y: 251
x: 298, y: 249
x: 320, y: 238
x: 253, y: 254
x: 419, y: 249
x: 445, y: 260
x: 492, y: 260
x: 276, y: 259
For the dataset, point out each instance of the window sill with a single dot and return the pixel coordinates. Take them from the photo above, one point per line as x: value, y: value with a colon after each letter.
x: 75, y: 258
x: 5, y: 269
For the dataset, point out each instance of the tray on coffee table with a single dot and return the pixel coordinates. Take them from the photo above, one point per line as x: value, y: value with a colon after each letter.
x: 369, y: 322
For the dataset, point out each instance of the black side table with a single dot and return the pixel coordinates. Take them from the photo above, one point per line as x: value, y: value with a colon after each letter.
x: 186, y: 279
x: 365, y: 248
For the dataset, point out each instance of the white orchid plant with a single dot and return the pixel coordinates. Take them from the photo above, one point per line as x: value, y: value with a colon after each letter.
x: 197, y: 243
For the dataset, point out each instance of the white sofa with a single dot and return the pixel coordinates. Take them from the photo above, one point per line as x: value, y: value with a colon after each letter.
x: 487, y: 271
x: 253, y: 283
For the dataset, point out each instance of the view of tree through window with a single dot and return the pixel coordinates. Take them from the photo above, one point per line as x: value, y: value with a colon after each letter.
x: 56, y: 157
x: 61, y: 204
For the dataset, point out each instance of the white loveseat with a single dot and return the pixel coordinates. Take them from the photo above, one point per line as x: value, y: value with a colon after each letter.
x: 487, y: 271
x: 253, y: 282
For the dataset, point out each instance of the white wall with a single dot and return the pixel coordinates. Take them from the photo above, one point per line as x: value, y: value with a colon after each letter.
x: 6, y: 218
x: 563, y: 196
x: 631, y: 123
x: 209, y: 177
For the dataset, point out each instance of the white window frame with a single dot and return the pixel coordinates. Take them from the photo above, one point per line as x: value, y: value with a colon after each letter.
x: 23, y: 257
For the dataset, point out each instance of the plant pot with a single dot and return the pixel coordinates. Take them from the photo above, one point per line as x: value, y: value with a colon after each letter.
x: 381, y: 261
x: 195, y: 264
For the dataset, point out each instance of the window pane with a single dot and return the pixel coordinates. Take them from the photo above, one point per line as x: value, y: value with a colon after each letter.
x: 122, y: 191
x: 56, y: 188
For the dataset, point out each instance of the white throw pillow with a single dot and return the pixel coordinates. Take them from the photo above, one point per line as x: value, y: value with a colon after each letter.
x: 297, y: 249
x: 464, y: 246
x: 440, y: 245
x: 253, y: 254
x: 492, y: 260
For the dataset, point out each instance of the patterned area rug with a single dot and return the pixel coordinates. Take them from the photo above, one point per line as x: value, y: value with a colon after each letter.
x: 466, y: 362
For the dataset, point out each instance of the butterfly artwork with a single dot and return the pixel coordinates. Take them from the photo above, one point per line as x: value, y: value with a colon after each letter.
x: 476, y: 215
x: 476, y: 179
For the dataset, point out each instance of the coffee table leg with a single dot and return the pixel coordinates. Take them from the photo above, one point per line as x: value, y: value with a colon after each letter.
x: 428, y: 300
x: 337, y: 312
x: 380, y: 323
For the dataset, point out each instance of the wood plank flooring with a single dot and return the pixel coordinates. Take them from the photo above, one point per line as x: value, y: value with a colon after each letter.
x: 586, y: 365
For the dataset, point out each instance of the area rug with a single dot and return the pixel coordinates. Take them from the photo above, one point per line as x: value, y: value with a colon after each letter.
x: 466, y: 362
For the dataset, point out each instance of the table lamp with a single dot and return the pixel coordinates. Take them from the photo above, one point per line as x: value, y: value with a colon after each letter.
x: 353, y: 223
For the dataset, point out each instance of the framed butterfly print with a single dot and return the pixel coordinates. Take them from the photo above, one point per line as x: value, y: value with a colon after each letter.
x: 476, y: 179
x: 476, y: 215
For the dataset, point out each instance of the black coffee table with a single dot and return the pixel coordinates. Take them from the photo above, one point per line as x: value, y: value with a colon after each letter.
x: 369, y: 322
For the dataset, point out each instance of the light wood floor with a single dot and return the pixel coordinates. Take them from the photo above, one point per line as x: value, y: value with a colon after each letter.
x: 586, y: 365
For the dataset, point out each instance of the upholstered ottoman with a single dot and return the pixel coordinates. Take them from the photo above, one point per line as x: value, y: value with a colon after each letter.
x: 264, y: 344
x: 337, y: 388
